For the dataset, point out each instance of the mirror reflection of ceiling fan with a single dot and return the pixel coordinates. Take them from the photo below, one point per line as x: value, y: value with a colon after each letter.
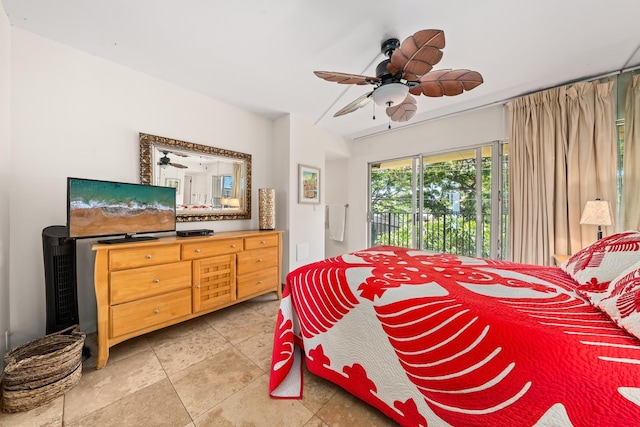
x: 166, y: 161
x: 407, y: 72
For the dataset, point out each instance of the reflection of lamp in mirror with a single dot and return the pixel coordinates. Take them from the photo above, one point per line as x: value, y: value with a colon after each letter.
x: 596, y: 212
x: 267, y: 208
x: 230, y: 202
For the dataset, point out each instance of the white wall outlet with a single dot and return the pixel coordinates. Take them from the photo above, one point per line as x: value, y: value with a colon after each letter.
x: 302, y: 251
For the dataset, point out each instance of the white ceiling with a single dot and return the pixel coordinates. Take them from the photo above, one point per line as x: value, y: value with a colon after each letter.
x: 260, y: 54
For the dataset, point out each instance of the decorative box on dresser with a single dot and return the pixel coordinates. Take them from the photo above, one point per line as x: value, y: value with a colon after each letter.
x: 145, y: 286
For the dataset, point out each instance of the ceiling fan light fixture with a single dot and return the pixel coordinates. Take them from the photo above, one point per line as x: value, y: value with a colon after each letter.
x: 390, y: 94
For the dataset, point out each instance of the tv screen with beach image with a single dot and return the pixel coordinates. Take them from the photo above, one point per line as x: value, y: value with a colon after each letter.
x: 104, y: 208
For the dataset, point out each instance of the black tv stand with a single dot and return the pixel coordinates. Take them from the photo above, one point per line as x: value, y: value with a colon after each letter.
x: 128, y: 239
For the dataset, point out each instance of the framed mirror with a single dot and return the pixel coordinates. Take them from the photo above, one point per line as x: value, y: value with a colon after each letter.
x: 212, y: 184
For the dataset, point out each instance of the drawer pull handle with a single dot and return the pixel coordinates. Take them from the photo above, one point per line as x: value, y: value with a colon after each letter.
x: 233, y: 245
x: 259, y: 282
x: 197, y: 251
x: 262, y: 242
x: 149, y: 256
x: 156, y: 280
x: 156, y: 311
x: 197, y: 286
x: 259, y: 259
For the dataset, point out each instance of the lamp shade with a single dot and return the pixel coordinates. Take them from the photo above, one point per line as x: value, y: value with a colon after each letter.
x: 267, y: 209
x: 230, y: 202
x: 390, y: 94
x: 596, y: 212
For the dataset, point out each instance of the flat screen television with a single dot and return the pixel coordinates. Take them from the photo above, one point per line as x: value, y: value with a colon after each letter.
x: 106, y: 208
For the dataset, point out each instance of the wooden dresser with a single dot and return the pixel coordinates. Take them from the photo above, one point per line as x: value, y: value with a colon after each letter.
x: 144, y: 286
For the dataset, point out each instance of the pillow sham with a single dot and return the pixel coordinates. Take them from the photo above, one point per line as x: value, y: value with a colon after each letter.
x: 595, y: 266
x: 623, y: 304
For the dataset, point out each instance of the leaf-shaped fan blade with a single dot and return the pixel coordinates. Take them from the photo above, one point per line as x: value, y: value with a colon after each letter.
x: 447, y: 82
x: 178, y: 165
x: 355, y: 105
x: 417, y: 54
x: 403, y: 111
x: 348, y: 79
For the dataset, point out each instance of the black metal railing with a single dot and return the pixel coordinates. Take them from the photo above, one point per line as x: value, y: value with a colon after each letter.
x: 391, y: 228
x: 448, y: 232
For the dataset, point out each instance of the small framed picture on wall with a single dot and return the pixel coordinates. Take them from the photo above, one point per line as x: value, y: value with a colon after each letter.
x: 173, y: 182
x: 308, y: 184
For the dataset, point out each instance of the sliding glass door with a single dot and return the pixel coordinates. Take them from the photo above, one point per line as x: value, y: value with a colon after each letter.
x: 394, y: 202
x: 450, y: 202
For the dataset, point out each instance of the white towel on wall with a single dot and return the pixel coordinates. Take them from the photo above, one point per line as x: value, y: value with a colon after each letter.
x: 337, y: 219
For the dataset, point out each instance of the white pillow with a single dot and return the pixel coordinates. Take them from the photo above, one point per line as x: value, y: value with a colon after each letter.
x: 595, y: 266
x: 623, y: 303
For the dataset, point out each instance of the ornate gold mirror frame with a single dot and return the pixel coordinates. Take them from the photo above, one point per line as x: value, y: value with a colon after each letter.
x: 223, y: 177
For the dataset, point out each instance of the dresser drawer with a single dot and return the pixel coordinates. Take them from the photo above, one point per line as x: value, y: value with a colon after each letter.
x: 257, y: 259
x: 258, y: 282
x: 136, y: 283
x: 120, y: 259
x: 205, y: 249
x: 261, y: 241
x: 148, y: 312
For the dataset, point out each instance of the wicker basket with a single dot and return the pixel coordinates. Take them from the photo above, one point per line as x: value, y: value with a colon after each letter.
x: 41, y: 370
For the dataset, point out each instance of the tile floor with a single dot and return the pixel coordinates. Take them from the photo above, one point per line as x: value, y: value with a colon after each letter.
x: 209, y: 371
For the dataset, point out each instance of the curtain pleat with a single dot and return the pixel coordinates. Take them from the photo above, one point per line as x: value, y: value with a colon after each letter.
x: 606, y: 154
x: 236, y: 190
x: 580, y: 162
x: 560, y: 231
x: 630, y: 203
x: 555, y: 137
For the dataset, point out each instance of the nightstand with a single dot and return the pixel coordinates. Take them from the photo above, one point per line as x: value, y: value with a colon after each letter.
x: 560, y: 258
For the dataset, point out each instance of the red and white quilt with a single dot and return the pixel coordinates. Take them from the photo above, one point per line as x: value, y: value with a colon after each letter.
x: 436, y: 339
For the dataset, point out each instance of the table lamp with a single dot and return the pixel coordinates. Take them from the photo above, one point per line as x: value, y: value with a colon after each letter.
x: 596, y: 212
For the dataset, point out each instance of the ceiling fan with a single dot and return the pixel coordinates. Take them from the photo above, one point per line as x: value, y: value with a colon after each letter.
x: 166, y: 161
x: 406, y: 72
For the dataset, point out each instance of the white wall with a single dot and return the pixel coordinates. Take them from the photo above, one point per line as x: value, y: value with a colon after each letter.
x: 463, y: 130
x: 306, y: 222
x: 299, y: 142
x: 337, y: 184
x: 281, y: 162
x: 73, y: 114
x: 5, y: 167
x: 308, y: 146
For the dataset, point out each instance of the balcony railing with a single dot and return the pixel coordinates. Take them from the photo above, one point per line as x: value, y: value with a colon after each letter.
x: 448, y: 232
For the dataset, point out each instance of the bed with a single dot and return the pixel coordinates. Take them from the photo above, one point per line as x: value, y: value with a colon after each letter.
x: 433, y: 339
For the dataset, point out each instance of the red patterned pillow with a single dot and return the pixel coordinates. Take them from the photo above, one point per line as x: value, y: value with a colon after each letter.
x: 623, y: 305
x: 595, y: 266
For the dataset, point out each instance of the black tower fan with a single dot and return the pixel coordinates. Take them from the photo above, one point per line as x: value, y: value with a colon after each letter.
x: 60, y: 278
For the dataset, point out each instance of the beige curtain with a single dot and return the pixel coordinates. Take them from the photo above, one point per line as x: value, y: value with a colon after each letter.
x: 537, y: 141
x: 630, y: 209
x: 555, y: 138
x: 236, y: 190
x: 592, y: 156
